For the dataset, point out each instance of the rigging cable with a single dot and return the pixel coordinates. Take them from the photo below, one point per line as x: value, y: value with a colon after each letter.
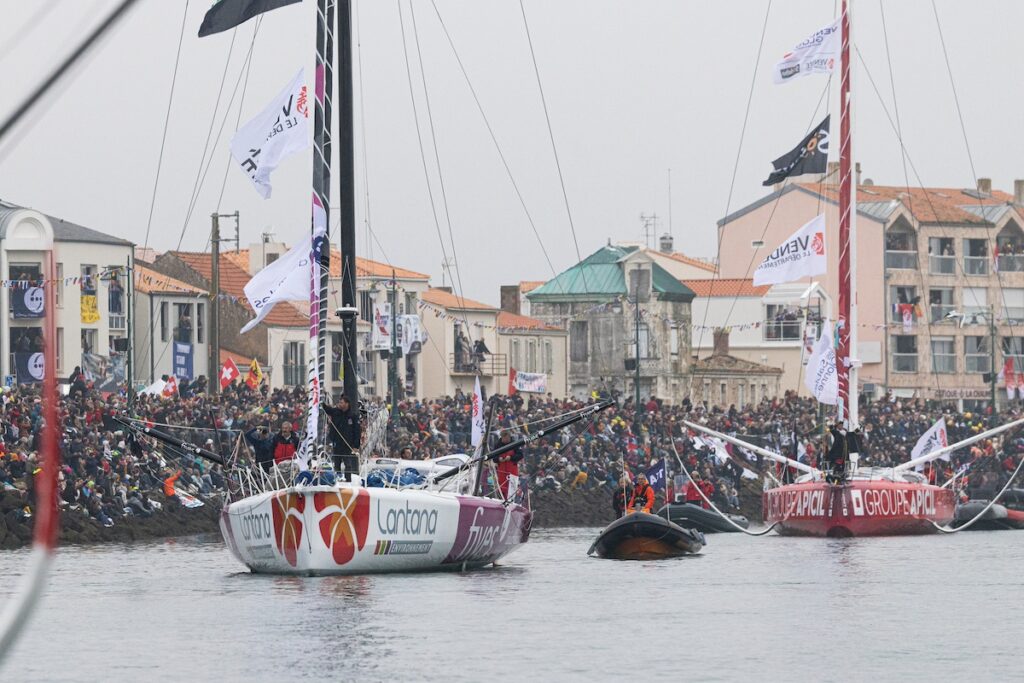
x: 554, y: 149
x: 963, y: 527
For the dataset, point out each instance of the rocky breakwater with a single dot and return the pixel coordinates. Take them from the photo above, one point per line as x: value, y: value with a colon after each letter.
x: 77, y: 528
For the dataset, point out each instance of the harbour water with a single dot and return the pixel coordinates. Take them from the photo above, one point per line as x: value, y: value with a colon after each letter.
x: 926, y: 608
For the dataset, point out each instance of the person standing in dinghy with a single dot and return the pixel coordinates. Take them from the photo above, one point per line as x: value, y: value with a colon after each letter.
x: 643, y: 495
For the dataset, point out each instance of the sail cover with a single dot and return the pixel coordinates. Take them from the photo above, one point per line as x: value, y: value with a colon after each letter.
x: 227, y: 14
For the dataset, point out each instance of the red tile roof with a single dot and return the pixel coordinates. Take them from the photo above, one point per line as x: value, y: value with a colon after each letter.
x: 514, y: 321
x: 529, y: 285
x: 364, y: 266
x: 683, y: 258
x: 726, y: 287
x: 928, y: 205
x: 149, y: 281
x: 439, y: 297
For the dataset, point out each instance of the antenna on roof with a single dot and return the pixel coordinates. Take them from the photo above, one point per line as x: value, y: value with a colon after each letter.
x: 670, y: 201
x: 650, y: 226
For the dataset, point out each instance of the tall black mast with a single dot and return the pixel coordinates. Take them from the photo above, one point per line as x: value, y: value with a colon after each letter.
x: 347, y: 196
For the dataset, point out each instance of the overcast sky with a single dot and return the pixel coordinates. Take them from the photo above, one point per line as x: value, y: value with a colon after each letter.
x: 633, y: 89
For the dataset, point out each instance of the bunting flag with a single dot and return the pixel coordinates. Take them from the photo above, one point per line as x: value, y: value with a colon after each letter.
x: 801, y: 255
x: 170, y: 387
x: 28, y: 303
x: 255, y: 377
x: 277, y: 132
x: 29, y: 367
x: 227, y: 14
x: 810, y: 156
x: 817, y: 54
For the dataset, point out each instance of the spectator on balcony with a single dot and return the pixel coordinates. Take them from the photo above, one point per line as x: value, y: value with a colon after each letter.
x: 183, y: 333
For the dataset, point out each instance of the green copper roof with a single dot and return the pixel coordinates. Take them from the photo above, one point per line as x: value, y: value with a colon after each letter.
x: 600, y: 275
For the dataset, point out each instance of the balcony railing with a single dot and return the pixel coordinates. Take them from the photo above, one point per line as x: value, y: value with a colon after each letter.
x: 1011, y: 263
x: 901, y: 259
x: 490, y: 364
x: 942, y: 265
x: 118, y: 322
x: 975, y: 315
x: 904, y: 362
x: 976, y: 265
x: 940, y: 311
x: 781, y: 330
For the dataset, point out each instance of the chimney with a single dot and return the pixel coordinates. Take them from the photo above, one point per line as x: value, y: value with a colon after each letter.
x: 510, y: 298
x: 665, y: 244
x: 832, y: 173
x: 1018, y: 191
x: 721, y: 337
x: 985, y: 185
x: 857, y: 172
x: 444, y: 289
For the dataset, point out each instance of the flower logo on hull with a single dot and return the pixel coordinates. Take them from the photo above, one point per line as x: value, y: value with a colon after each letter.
x: 346, y: 523
x: 288, y: 509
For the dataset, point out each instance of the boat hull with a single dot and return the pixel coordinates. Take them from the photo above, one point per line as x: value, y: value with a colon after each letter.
x: 997, y: 518
x: 344, y: 529
x: 690, y: 516
x: 640, y: 536
x: 857, y: 508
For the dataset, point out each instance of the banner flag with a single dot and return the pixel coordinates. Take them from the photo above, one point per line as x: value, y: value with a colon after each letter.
x: 106, y: 374
x: 286, y: 279
x: 478, y: 415
x: 817, y: 54
x: 255, y: 377
x: 530, y: 382
x: 228, y: 372
x: 183, y: 360
x: 932, y: 440
x: 227, y: 14
x: 380, y: 339
x: 822, y: 377
x: 657, y: 475
x: 28, y: 303
x: 29, y: 367
x: 810, y: 156
x: 802, y: 255
x: 279, y: 130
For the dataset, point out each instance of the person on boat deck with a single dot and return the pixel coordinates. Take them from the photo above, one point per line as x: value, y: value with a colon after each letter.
x: 285, y: 443
x: 262, y: 445
x: 623, y: 493
x: 843, y: 444
x: 508, y: 463
x: 693, y: 491
x: 343, y: 428
x: 642, y: 499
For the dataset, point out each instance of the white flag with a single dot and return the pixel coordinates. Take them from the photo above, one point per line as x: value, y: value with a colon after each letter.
x: 478, y: 415
x: 932, y: 440
x: 802, y: 255
x: 815, y: 55
x: 286, y: 279
x: 822, y: 378
x: 277, y: 131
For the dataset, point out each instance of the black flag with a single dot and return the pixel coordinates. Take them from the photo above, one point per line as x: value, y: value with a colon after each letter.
x: 29, y: 367
x: 810, y: 156
x: 230, y: 13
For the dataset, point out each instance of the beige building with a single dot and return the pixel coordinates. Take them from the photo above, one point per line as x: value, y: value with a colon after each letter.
x: 724, y: 380
x: 534, y: 346
x: 930, y: 249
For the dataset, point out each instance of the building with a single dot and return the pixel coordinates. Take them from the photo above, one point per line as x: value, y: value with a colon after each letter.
x: 931, y: 250
x: 534, y: 346
x: 768, y: 325
x: 169, y: 312
x: 456, y: 328
x: 724, y: 380
x: 678, y: 264
x: 592, y: 301
x: 90, y: 272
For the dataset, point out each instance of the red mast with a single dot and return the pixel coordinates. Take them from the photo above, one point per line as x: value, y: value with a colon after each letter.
x: 846, y: 320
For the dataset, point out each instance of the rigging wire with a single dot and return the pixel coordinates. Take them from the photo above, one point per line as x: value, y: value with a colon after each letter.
x: 554, y: 149
x: 241, y: 106
x: 497, y: 146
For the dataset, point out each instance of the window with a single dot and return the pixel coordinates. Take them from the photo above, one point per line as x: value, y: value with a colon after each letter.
x: 410, y: 303
x: 163, y: 321
x: 1013, y: 347
x: 88, y: 279
x: 578, y: 331
x: 943, y: 355
x: 899, y: 294
x: 756, y: 244
x: 294, y: 363
x: 549, y: 357
x: 200, y: 323
x: 531, y: 356
x: 115, y: 291
x: 673, y: 340
x: 976, y: 257
x: 644, y: 338
x: 782, y: 323
x: 60, y: 348
x: 723, y: 394
x: 904, y: 353
x: 513, y: 353
x: 976, y: 354
x: 975, y: 304
x: 941, y: 256
x: 741, y: 394
x: 764, y: 391
x: 89, y: 341
x: 366, y: 306
x: 59, y: 290
x: 1013, y: 304
x: 940, y: 302
x: 270, y: 258
x: 31, y: 272
x: 1010, y: 245
x: 183, y: 323
x: 901, y: 248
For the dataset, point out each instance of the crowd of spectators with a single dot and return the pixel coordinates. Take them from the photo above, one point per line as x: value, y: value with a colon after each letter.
x: 107, y: 474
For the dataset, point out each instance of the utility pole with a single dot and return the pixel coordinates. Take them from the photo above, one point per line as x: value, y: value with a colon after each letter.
x: 213, y: 383
x: 636, y: 332
x: 129, y: 361
x: 993, y: 375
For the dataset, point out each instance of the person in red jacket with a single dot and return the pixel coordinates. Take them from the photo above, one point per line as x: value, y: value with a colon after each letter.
x: 642, y: 499
x: 692, y: 492
x: 285, y: 444
x: 508, y: 464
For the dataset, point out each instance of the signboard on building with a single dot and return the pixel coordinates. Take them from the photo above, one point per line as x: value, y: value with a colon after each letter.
x: 183, y: 360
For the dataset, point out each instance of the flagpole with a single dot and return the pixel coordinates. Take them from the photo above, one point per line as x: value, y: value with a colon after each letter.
x: 846, y: 372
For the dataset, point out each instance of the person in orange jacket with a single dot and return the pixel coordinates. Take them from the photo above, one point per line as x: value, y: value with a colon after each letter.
x: 169, y: 484
x: 643, y: 495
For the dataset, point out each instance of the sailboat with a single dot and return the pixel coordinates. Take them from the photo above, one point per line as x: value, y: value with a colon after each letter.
x: 865, y: 501
x: 278, y: 523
